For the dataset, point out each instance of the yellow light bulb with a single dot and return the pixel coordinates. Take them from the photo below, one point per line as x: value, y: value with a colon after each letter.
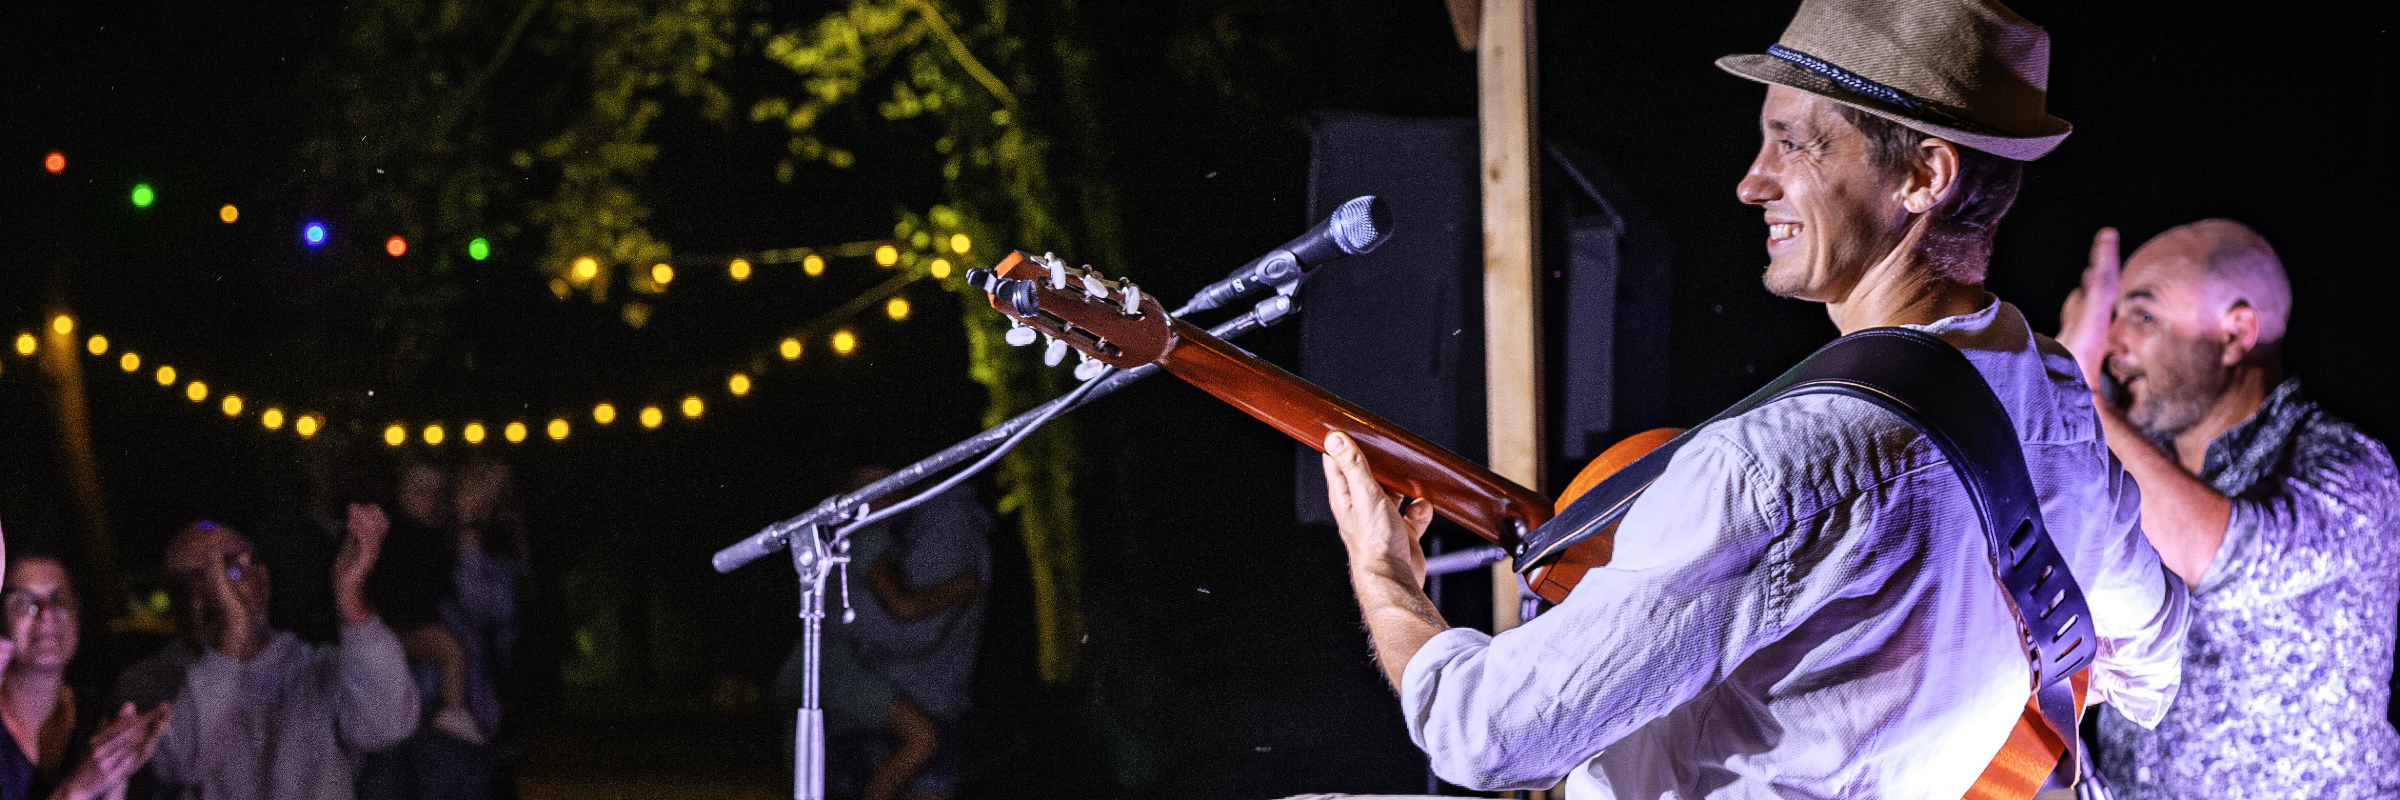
x: 196, y: 390
x: 272, y: 418
x: 395, y: 435
x: 229, y: 213
x: 652, y: 417
x: 844, y: 342
x: 790, y: 349
x: 434, y: 434
x: 473, y: 433
x: 692, y: 407
x: 166, y: 376
x: 306, y: 426
x: 897, y: 309
x: 813, y: 265
x: 25, y: 344
x: 662, y: 274
x: 740, y: 269
x: 587, y: 268
x: 63, y: 324
x: 514, y: 432
x: 232, y: 405
x: 558, y: 428
x: 960, y: 244
x: 887, y: 255
x: 98, y: 344
x: 739, y: 384
x: 129, y: 362
x: 939, y: 269
x: 604, y: 413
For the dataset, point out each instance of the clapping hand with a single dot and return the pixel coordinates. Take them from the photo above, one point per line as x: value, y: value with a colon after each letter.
x: 121, y: 745
x: 2083, y: 322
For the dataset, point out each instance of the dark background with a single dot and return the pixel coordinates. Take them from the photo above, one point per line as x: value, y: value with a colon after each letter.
x: 1225, y: 657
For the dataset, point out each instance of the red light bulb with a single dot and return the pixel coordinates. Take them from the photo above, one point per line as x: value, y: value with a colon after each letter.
x: 396, y: 246
x: 55, y: 163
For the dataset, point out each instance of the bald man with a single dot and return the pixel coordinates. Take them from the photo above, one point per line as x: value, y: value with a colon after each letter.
x: 2283, y: 520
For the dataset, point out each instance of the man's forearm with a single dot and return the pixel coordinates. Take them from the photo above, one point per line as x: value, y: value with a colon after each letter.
x: 2184, y: 518
x: 1400, y: 618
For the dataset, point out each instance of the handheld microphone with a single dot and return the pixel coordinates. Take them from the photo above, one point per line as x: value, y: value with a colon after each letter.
x: 1356, y: 227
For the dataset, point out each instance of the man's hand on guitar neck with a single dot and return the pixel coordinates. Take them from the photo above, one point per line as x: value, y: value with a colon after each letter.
x: 1387, y: 565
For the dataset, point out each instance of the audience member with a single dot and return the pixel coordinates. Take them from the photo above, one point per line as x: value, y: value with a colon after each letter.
x: 262, y: 714
x: 2283, y: 520
x: 415, y: 589
x: 68, y: 749
x: 906, y: 663
x: 492, y: 553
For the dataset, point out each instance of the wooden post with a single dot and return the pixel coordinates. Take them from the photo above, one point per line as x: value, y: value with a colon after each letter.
x: 1512, y: 297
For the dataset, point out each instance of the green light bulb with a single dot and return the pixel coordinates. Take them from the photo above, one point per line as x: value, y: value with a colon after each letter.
x: 479, y: 249
x: 142, y: 195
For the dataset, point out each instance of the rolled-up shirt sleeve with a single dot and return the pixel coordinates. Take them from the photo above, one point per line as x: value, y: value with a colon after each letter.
x: 2139, y: 607
x: 1687, y: 596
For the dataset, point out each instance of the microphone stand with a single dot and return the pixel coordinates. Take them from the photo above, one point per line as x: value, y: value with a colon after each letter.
x: 819, y: 546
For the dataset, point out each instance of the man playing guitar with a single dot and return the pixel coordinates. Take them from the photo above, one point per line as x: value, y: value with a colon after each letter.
x: 1804, y: 603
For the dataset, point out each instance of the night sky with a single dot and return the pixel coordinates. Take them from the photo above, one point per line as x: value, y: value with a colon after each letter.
x: 1225, y: 657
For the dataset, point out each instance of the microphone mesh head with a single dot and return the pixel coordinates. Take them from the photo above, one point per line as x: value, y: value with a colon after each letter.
x: 1362, y: 224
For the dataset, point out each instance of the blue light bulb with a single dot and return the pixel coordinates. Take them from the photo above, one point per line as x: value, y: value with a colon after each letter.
x: 314, y: 233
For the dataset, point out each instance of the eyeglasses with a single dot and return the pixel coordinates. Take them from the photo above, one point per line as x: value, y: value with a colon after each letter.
x: 22, y: 604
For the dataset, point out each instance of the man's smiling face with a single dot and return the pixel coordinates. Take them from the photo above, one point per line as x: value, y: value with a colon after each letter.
x: 1830, y: 213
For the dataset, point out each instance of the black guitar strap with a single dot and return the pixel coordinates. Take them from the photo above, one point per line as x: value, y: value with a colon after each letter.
x: 1931, y: 385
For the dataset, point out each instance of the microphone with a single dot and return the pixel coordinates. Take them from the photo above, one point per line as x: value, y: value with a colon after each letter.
x: 1356, y: 227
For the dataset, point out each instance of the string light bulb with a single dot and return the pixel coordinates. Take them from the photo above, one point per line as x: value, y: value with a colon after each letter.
x: 232, y: 405
x: 396, y: 246
x: 479, y: 249
x: 587, y: 268
x: 395, y: 435
x: 558, y: 428
x: 813, y: 265
x: 887, y: 255
x: 960, y: 244
x: 896, y: 308
x: 196, y: 390
x: 692, y: 406
x: 604, y: 413
x: 739, y: 384
x: 652, y: 417
x: 272, y: 418
x: 790, y: 349
x: 434, y: 433
x: 56, y: 162
x: 98, y: 344
x: 143, y: 196
x: 306, y: 425
x: 844, y: 341
x: 514, y: 432
x: 228, y: 213
x: 473, y: 433
x: 939, y: 269
x: 166, y: 375
x: 314, y: 233
x: 662, y: 274
x: 25, y: 344
x: 739, y: 269
x: 63, y: 324
x: 129, y: 362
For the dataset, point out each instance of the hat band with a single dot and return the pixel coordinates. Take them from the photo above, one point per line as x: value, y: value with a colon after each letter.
x: 1849, y: 80
x: 1861, y: 85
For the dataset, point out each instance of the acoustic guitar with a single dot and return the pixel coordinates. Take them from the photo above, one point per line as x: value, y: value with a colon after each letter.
x: 1112, y: 322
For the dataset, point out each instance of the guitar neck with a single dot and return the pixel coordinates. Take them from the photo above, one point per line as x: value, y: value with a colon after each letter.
x: 1492, y: 506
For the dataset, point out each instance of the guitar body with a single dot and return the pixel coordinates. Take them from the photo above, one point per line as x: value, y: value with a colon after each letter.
x: 1110, y: 322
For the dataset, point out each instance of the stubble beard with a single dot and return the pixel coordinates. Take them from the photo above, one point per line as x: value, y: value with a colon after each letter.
x: 2180, y: 392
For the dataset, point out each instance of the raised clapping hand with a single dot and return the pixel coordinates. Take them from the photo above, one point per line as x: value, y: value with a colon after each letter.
x: 360, y: 548
x: 1379, y: 535
x: 121, y: 745
x: 2083, y: 322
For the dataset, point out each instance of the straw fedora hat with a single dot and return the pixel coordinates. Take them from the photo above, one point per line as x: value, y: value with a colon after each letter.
x: 1970, y: 72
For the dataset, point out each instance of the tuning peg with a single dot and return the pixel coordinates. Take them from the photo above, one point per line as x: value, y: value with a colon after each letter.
x: 1133, y: 299
x: 1058, y: 274
x: 1090, y: 367
x: 1054, y: 353
x: 1019, y: 335
x: 1094, y: 286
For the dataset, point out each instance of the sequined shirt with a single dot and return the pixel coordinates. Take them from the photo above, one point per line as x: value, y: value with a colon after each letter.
x: 2288, y: 660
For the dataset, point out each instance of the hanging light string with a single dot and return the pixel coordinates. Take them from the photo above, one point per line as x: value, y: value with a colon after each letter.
x: 832, y: 328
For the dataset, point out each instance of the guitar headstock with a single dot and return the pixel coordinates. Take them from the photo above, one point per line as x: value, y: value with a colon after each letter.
x: 1109, y: 322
